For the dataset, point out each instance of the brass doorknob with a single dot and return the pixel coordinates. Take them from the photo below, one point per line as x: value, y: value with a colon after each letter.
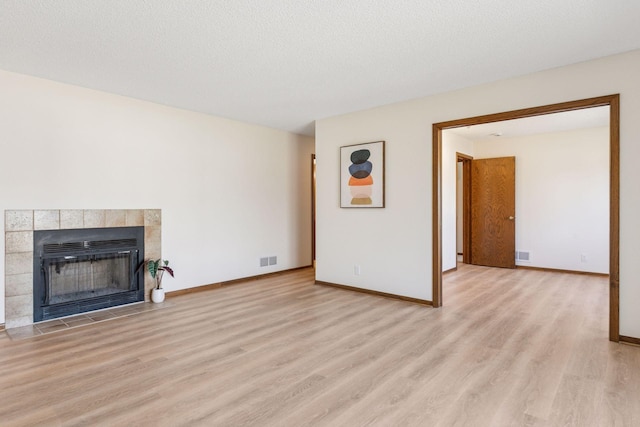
x: 511, y: 218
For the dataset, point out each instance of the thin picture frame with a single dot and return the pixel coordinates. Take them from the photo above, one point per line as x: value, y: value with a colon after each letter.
x: 362, y: 175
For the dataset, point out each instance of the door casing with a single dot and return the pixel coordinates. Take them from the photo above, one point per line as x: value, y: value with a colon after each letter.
x: 466, y: 206
x: 613, y: 101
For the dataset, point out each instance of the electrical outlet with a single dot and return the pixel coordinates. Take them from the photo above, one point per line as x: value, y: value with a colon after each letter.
x: 583, y: 258
x: 356, y: 270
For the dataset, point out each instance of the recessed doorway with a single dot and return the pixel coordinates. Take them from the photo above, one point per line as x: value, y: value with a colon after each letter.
x: 613, y: 102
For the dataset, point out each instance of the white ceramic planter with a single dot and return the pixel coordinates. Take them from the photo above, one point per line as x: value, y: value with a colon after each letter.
x: 157, y: 295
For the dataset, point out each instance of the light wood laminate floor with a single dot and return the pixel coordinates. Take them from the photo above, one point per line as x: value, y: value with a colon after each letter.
x: 510, y: 347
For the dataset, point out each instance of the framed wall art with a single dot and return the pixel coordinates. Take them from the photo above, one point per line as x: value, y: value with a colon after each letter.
x: 362, y: 175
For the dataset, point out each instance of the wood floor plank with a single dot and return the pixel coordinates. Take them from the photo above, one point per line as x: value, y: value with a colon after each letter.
x: 509, y: 347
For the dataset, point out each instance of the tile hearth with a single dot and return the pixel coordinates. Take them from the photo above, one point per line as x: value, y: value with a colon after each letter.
x: 84, y: 319
x: 19, y: 228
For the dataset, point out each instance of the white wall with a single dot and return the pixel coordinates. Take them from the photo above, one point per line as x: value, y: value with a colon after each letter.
x: 562, y: 196
x: 393, y: 245
x: 230, y: 192
x: 451, y: 144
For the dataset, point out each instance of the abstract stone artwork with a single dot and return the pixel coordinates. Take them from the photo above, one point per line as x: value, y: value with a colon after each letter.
x: 362, y: 175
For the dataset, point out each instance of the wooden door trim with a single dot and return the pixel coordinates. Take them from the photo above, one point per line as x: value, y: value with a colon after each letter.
x: 613, y: 101
x: 466, y: 206
x: 313, y: 210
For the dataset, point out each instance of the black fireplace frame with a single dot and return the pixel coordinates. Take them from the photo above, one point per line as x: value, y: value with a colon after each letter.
x: 49, y: 245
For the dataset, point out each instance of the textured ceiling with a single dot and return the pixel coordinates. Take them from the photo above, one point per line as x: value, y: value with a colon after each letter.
x: 557, y: 122
x: 286, y: 63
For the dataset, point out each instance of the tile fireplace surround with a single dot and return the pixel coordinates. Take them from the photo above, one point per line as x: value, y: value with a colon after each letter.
x: 18, y: 258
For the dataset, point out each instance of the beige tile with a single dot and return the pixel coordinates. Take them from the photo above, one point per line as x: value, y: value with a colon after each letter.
x: 94, y: 218
x: 101, y: 315
x: 152, y: 217
x: 80, y: 321
x: 134, y: 217
x: 18, y: 263
x: 115, y: 218
x: 152, y: 251
x: 22, y: 332
x: 16, y: 322
x: 148, y: 306
x: 149, y: 284
x: 71, y: 218
x: 152, y: 242
x: 126, y: 309
x: 18, y: 306
x: 75, y: 317
x: 45, y: 329
x: 18, y: 241
x: 48, y: 323
x: 18, y: 220
x: 46, y: 220
x: 18, y: 284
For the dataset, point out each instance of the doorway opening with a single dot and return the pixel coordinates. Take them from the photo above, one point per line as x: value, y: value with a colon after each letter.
x: 614, y: 184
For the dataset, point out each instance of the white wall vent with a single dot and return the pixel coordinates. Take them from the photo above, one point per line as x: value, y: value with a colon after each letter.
x: 522, y: 256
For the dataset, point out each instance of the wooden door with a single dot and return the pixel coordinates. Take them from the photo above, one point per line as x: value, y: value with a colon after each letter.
x: 493, y: 211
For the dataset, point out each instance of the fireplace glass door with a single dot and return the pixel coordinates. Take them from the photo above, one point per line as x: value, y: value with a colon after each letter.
x: 73, y: 278
x: 86, y: 269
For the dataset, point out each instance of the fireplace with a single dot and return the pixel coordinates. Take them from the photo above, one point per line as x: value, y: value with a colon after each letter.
x: 81, y: 270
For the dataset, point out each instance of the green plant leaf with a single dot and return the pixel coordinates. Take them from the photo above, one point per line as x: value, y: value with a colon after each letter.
x: 152, y: 266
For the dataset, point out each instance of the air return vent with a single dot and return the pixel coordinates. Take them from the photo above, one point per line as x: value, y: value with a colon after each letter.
x: 522, y: 256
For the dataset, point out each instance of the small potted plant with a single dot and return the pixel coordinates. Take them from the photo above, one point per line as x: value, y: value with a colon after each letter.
x: 156, y: 269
